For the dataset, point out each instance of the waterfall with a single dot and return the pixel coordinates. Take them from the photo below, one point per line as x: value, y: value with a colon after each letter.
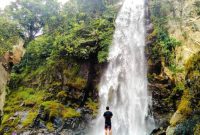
x: 123, y: 86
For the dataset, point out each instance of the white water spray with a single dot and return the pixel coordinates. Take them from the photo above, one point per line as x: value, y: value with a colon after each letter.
x: 124, y: 84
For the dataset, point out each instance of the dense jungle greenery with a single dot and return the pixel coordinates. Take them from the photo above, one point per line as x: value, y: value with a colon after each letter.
x: 64, y: 44
x: 66, y: 53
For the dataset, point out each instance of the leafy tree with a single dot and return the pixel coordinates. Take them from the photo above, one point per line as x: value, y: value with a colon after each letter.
x: 37, y: 53
x: 164, y: 45
x: 85, y: 40
x: 91, y: 7
x: 32, y: 15
x: 9, y: 34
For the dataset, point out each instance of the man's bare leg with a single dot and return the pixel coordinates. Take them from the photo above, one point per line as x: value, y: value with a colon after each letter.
x: 106, y: 131
x: 110, y: 132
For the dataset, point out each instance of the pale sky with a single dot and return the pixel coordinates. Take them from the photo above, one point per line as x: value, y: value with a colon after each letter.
x: 4, y: 3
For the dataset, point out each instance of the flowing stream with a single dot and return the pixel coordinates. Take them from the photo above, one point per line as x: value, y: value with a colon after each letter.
x: 123, y: 86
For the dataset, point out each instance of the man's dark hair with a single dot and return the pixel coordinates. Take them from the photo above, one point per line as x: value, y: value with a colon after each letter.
x: 107, y: 108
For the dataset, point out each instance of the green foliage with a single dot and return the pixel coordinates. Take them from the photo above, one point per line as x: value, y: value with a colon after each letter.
x: 92, y: 7
x: 9, y: 34
x: 184, y: 108
x: 61, y: 94
x: 28, y: 99
x: 35, y: 59
x: 77, y: 82
x: 180, y: 87
x: 16, y: 80
x: 165, y: 46
x: 185, y: 104
x: 87, y: 39
x: 50, y: 127
x: 74, y: 36
x: 74, y: 80
x: 105, y: 34
x: 10, y: 125
x: 178, y: 90
x: 24, y: 96
x: 93, y: 106
x: 29, y: 119
x: 197, y: 6
x: 159, y: 12
x: 37, y: 52
x: 85, y: 36
x: 193, y: 79
x: 70, y: 113
x: 193, y: 63
x: 197, y: 129
x: 32, y: 15
x: 110, y: 2
x: 193, y: 73
x: 175, y: 69
x: 56, y: 109
x: 5, y: 118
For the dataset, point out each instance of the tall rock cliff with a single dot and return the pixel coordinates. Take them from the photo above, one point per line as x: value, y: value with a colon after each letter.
x: 173, y: 57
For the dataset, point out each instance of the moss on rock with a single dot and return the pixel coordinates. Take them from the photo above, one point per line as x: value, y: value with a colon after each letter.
x: 50, y: 127
x: 185, y: 104
x: 93, y: 106
x: 29, y: 119
x: 184, y: 109
x: 61, y: 94
x: 197, y: 129
x: 56, y: 109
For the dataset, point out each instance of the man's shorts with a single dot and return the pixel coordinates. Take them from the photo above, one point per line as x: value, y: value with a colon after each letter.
x: 107, y: 126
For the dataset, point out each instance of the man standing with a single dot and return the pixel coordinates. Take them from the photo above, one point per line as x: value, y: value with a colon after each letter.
x: 108, y: 115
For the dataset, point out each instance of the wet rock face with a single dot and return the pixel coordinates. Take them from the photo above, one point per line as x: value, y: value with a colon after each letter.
x: 161, y: 107
x: 159, y: 84
x: 166, y: 92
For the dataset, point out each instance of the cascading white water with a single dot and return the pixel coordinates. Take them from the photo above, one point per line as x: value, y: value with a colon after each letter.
x: 124, y: 84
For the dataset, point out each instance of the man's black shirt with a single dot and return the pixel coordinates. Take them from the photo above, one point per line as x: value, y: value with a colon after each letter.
x: 108, y: 115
